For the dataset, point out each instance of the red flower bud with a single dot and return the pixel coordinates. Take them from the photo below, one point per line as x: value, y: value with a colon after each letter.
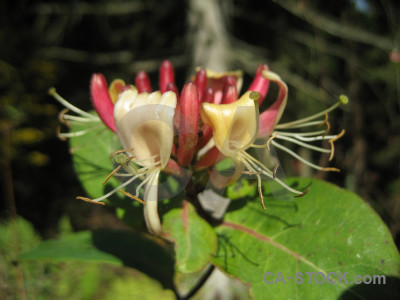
x: 167, y: 75
x: 188, y: 125
x: 142, y: 82
x: 102, y: 101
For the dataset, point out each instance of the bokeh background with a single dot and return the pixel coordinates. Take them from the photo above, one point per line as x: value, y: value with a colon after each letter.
x: 320, y: 48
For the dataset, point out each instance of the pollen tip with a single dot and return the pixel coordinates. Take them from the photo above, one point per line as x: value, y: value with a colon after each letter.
x: 344, y: 99
x: 331, y: 169
x: 51, y: 91
x: 254, y: 95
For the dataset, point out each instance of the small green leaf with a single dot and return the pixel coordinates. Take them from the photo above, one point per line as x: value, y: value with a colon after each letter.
x: 327, y: 230
x: 195, y: 240
x: 91, y: 156
x: 117, y: 247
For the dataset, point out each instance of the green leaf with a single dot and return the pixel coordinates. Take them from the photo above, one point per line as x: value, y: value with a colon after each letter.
x: 327, y: 230
x: 117, y: 247
x: 195, y: 240
x: 91, y: 157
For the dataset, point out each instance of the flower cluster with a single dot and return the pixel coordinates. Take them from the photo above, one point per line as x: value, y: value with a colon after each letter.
x: 166, y: 131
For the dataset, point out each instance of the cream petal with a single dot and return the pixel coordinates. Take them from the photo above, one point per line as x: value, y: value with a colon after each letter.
x: 151, y: 216
x: 234, y: 125
x: 124, y: 103
x: 148, y: 128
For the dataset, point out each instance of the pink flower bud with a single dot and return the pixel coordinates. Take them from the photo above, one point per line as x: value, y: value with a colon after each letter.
x: 201, y: 82
x: 167, y: 75
x: 188, y: 125
x: 102, y: 101
x: 230, y: 94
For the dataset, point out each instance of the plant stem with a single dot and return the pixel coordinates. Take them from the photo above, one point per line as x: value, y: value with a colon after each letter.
x: 199, y: 284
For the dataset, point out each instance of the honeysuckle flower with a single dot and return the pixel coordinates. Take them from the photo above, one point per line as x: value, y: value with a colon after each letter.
x: 144, y: 125
x: 237, y: 125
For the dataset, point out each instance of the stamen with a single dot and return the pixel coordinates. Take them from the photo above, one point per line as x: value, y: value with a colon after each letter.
x: 343, y: 100
x: 89, y: 200
x: 120, y: 151
x: 249, y: 165
x: 78, y: 119
x: 142, y: 184
x: 315, y: 148
x: 328, y: 125
x: 78, y: 133
x: 112, y: 174
x: 60, y: 135
x: 295, y: 134
x: 260, y: 192
x: 306, y: 124
x: 315, y: 138
x: 270, y: 139
x: 61, y: 117
x: 132, y: 197
x: 52, y: 92
x: 331, y: 169
x: 115, y: 190
x: 295, y: 155
x: 250, y: 172
x: 302, y: 194
x: 331, y: 141
x: 276, y: 168
x: 250, y: 158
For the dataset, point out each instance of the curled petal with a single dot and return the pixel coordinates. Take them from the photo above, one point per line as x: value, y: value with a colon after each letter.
x: 167, y: 75
x: 101, y: 100
x: 260, y: 83
x: 270, y: 117
x: 234, y: 125
x: 188, y: 125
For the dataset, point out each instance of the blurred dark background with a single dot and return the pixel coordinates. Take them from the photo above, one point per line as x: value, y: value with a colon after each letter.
x: 320, y: 48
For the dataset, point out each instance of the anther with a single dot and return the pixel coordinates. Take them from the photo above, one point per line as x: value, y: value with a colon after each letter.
x: 89, y: 200
x: 120, y: 151
x: 328, y: 125
x: 275, y: 169
x: 303, y: 193
x: 59, y: 134
x: 331, y: 142
x: 112, y: 174
x: 254, y: 95
x: 132, y: 197
x: 261, y: 197
x: 61, y: 117
x: 330, y: 169
x: 270, y: 139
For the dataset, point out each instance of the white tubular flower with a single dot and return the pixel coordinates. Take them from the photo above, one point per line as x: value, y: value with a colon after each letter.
x: 238, y: 124
x: 144, y: 124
